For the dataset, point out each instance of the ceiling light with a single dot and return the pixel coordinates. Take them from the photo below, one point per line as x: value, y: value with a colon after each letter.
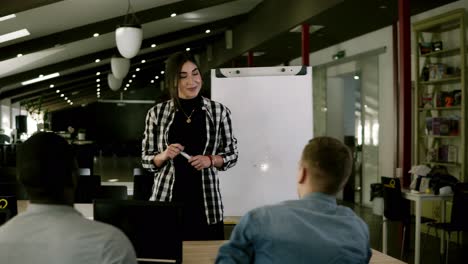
x: 96, y: 35
x: 58, y: 91
x: 66, y: 98
x: 97, y: 60
x: 120, y: 67
x: 129, y: 35
x: 3, y: 18
x: 157, y: 77
x: 14, y: 35
x: 98, y: 73
x: 162, y: 72
x: 98, y: 80
x: 114, y: 83
x: 143, y: 61
x: 187, y: 49
x: 62, y: 95
x: 71, y: 103
x: 41, y: 78
x: 125, y: 88
x: 133, y: 76
x: 356, y: 77
x: 98, y: 85
x: 51, y: 86
x: 127, y: 85
x: 19, y: 55
x: 98, y: 90
x: 41, y: 75
x: 130, y: 81
x: 137, y: 69
x: 207, y: 31
x: 152, y: 81
x: 173, y: 14
x: 153, y: 45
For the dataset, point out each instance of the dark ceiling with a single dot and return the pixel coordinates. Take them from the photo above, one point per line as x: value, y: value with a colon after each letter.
x: 263, y: 28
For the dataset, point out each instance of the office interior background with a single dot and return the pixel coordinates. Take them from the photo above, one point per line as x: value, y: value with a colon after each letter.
x: 55, y: 58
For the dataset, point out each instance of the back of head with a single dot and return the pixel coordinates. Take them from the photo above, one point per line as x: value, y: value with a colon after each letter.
x: 46, y: 167
x: 329, y: 162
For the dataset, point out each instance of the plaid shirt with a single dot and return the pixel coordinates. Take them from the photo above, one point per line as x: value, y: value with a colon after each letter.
x: 219, y: 141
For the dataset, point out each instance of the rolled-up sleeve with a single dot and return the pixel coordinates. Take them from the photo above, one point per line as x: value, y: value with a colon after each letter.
x: 148, y: 144
x: 228, y: 145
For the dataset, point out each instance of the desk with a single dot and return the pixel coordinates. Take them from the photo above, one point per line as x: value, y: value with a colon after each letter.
x: 204, y: 252
x: 418, y: 198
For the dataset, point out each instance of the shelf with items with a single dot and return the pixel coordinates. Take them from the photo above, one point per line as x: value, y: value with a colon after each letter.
x: 440, y: 109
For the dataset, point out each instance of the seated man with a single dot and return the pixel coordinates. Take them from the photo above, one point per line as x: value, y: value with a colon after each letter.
x: 313, y: 229
x: 51, y: 230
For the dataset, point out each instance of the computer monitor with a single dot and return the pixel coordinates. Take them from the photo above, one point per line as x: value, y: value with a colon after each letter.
x: 8, y: 208
x: 154, y: 228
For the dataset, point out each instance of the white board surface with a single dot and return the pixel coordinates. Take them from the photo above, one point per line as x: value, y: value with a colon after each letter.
x: 271, y: 111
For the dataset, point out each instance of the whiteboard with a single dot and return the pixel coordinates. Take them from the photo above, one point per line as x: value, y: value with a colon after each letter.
x: 271, y: 111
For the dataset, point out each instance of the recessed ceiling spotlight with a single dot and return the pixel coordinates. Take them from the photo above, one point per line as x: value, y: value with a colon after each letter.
x: 157, y: 77
x: 127, y: 85
x: 98, y: 73
x: 96, y: 35
x: 153, y: 45
x: 173, y: 14
x: 143, y: 61
x: 19, y: 55
x: 137, y: 69
x: 71, y: 103
x: 133, y: 76
x: 162, y: 72
x: 98, y: 85
x: 68, y: 101
x: 356, y: 77
x: 62, y: 95
x: 152, y: 81
x: 187, y: 49
x: 98, y: 80
x: 51, y: 86
x: 130, y: 81
x: 98, y: 89
x: 97, y: 60
x: 58, y: 91
x: 66, y: 98
x: 41, y: 75
x: 207, y: 31
x: 125, y: 89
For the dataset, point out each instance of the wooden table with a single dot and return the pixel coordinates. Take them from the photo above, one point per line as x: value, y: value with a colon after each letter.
x: 204, y: 252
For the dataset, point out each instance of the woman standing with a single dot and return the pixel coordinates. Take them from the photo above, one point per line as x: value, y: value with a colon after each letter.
x: 200, y: 128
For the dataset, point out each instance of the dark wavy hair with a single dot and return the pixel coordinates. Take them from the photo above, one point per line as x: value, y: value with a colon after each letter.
x: 173, y: 67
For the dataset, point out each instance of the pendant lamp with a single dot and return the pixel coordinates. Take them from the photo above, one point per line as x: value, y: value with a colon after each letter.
x: 129, y: 35
x: 120, y: 67
x: 114, y: 83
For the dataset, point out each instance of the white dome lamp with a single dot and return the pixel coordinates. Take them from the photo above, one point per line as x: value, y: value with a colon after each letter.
x: 129, y: 35
x: 114, y: 83
x: 120, y: 67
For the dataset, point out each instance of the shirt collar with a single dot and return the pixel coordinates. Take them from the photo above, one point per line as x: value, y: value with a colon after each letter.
x: 320, y: 196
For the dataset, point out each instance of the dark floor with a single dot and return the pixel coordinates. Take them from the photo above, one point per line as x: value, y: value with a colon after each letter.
x: 121, y: 168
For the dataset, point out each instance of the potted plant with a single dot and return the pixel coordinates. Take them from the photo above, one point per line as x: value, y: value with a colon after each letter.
x: 81, y: 134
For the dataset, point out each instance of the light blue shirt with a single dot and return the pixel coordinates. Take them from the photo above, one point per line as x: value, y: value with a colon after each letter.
x: 313, y: 229
x: 58, y: 234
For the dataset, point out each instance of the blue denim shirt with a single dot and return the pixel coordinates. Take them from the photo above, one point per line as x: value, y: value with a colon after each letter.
x: 313, y: 229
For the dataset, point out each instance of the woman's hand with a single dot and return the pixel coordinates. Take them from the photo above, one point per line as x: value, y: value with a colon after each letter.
x: 200, y: 162
x: 171, y: 152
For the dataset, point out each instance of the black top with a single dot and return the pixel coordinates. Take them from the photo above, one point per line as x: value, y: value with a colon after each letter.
x: 188, y: 182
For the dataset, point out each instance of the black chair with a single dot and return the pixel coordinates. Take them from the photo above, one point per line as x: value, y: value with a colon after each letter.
x: 87, y: 188
x: 142, y: 184
x: 113, y: 192
x: 458, y: 218
x: 396, y: 208
x: 8, y: 208
x: 7, y: 174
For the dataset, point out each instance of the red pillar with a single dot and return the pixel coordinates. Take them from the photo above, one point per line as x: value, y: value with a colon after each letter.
x: 305, y: 44
x: 405, y: 90
x: 250, y: 59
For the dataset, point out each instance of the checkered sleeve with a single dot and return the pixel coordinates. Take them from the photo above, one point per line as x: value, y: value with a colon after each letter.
x: 228, y: 144
x: 149, y: 150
